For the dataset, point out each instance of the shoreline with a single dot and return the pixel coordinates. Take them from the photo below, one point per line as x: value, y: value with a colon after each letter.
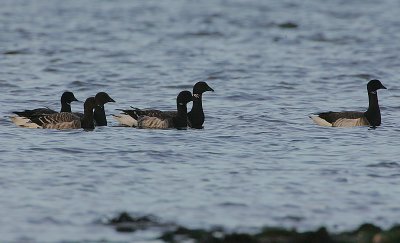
x: 174, y: 233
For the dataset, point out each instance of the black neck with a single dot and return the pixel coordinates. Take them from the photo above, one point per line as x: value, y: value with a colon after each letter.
x: 87, y: 119
x: 373, y: 114
x: 100, y: 116
x: 197, y: 102
x: 65, y: 107
x: 181, y: 118
x: 196, y: 115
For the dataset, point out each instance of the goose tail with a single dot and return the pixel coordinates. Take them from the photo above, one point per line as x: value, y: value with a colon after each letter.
x: 24, y: 122
x: 318, y: 120
x: 126, y: 120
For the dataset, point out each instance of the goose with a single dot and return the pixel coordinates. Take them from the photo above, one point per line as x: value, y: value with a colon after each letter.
x: 371, y: 117
x: 159, y: 119
x: 195, y: 116
x: 63, y: 120
x: 66, y: 99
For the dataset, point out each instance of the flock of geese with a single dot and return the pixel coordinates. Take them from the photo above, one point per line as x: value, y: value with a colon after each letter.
x: 94, y: 113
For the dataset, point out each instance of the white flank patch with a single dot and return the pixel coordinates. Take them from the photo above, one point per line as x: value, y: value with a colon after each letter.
x: 318, y: 120
x: 126, y: 120
x: 24, y: 122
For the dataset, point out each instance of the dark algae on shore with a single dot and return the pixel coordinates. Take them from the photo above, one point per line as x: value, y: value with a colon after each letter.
x: 174, y: 233
x: 127, y: 223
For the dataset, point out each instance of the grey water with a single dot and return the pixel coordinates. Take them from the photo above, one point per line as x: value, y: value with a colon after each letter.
x: 259, y: 159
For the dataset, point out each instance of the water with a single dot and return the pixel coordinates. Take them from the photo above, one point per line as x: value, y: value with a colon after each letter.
x: 259, y: 161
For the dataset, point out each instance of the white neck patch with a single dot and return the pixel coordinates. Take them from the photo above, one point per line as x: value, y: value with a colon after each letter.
x: 372, y: 92
x: 196, y: 96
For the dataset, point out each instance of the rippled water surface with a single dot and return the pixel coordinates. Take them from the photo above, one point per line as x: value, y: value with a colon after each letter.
x: 259, y: 160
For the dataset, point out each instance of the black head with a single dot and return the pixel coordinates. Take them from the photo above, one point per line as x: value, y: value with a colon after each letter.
x: 89, y: 104
x: 184, y: 97
x: 67, y: 97
x: 102, y: 98
x: 201, y: 87
x: 374, y: 85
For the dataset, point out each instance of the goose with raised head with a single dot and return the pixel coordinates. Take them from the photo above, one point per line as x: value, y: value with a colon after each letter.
x: 159, y: 119
x: 371, y: 117
x: 63, y: 120
x: 195, y: 116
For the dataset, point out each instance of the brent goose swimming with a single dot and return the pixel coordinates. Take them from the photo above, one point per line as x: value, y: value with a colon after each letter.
x: 195, y: 116
x: 159, y: 119
x: 66, y: 99
x: 372, y: 117
x: 63, y: 120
